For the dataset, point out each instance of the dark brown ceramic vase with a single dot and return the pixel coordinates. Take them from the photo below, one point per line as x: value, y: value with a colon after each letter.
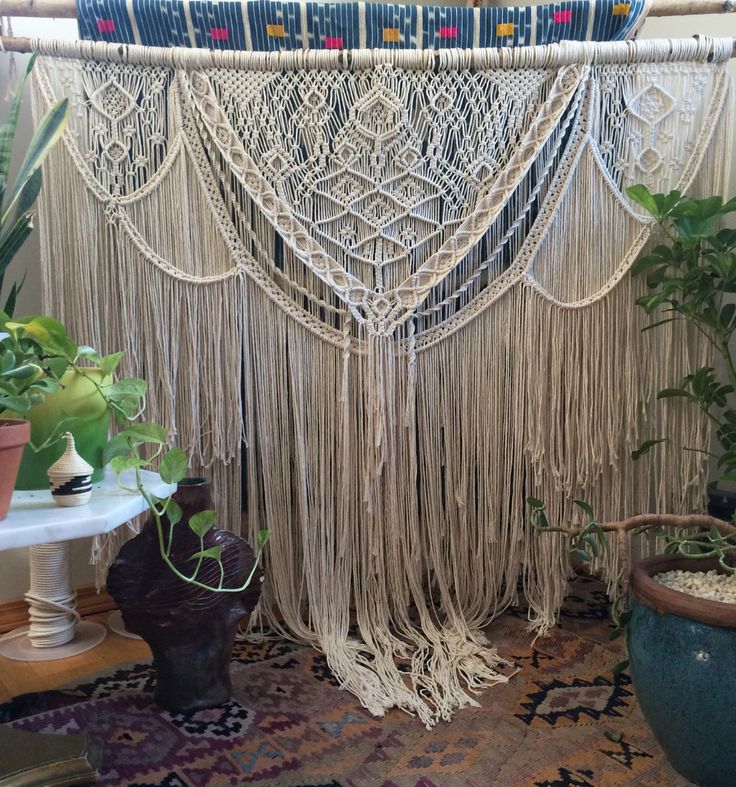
x: 190, y: 630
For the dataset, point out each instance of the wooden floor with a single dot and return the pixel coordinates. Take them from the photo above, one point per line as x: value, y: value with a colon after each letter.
x: 19, y: 677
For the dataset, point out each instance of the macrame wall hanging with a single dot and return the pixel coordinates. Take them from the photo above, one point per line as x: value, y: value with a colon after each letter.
x: 402, y: 279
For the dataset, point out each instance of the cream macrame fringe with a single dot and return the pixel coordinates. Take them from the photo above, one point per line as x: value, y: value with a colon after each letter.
x: 399, y: 283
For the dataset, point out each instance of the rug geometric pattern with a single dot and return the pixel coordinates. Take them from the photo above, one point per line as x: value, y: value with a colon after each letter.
x: 290, y: 725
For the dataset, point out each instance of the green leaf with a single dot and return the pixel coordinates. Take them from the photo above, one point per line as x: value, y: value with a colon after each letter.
x: 534, y: 502
x: 174, y: 466
x: 7, y: 130
x: 583, y: 554
x: 29, y: 194
x: 620, y: 666
x: 45, y: 137
x: 213, y: 552
x: 118, y: 446
x: 57, y: 366
x: 642, y: 196
x: 173, y: 512
x: 12, y: 240
x: 646, y: 446
x: 120, y: 464
x: 25, y: 372
x: 263, y: 536
x: 131, y: 408
x: 89, y: 354
x: 585, y: 507
x: 130, y: 386
x: 7, y: 361
x: 12, y: 298
x: 202, y: 521
x: 138, y: 434
x: 16, y: 404
x: 109, y: 363
x: 615, y: 737
x: 672, y: 393
x: 726, y: 316
x: 46, y: 332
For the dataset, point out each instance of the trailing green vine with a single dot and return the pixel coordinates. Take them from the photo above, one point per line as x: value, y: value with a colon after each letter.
x: 35, y: 353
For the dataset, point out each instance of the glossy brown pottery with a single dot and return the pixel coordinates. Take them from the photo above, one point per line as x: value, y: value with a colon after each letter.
x: 13, y: 437
x: 190, y: 630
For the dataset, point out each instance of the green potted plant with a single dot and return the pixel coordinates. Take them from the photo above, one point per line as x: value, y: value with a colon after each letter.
x: 74, y: 403
x: 28, y: 371
x: 17, y: 200
x: 39, y: 356
x: 679, y: 609
x: 182, y: 584
x: 23, y: 380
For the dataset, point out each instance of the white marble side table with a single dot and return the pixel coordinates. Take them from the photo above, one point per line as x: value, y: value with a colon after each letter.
x: 34, y: 520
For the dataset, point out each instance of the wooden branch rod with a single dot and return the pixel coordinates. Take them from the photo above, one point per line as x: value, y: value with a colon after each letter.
x: 21, y: 44
x: 68, y: 8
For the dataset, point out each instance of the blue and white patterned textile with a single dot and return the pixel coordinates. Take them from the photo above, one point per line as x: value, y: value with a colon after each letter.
x: 264, y: 25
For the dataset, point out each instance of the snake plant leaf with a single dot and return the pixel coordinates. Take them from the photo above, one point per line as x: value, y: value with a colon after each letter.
x: 12, y: 298
x: 7, y: 129
x: 46, y: 136
x: 13, y: 239
x: 29, y: 194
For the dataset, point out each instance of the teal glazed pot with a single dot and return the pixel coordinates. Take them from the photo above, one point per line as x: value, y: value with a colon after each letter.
x: 682, y: 652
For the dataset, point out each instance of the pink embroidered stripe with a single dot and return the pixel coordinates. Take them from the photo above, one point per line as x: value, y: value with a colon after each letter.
x: 448, y: 32
x: 106, y: 25
x: 333, y: 43
x: 219, y: 33
x: 560, y: 17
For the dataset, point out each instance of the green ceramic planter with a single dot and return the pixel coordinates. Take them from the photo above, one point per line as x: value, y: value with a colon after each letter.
x: 682, y: 652
x: 79, y: 398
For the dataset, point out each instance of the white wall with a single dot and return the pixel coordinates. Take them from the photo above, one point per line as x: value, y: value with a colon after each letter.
x: 14, y: 564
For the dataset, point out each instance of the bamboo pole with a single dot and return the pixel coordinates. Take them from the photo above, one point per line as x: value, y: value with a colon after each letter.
x: 40, y: 8
x: 68, y: 8
x: 683, y: 7
x: 24, y: 45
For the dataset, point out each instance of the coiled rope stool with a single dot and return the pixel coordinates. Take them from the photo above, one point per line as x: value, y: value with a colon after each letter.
x: 55, y: 629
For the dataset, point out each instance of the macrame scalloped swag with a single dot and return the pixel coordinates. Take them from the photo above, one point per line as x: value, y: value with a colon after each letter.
x: 403, y: 281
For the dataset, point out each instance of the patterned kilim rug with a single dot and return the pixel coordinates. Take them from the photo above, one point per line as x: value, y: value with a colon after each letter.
x: 289, y: 725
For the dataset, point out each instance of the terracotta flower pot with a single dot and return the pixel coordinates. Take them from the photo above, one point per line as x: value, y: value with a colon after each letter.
x: 682, y: 652
x: 13, y: 437
x: 190, y: 630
